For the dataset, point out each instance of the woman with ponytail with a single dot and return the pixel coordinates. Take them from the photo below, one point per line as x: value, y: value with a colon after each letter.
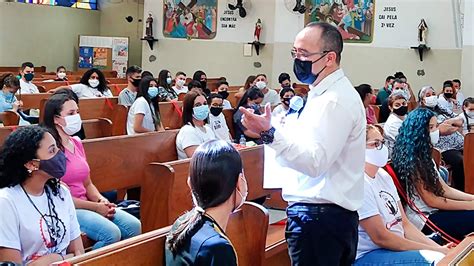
x: 38, y: 224
x: 218, y: 187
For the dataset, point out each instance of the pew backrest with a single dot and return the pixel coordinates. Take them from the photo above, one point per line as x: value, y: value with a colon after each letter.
x: 469, y: 163
x: 145, y: 249
x: 97, y: 128
x: 9, y: 118
x: 229, y: 120
x: 170, y: 116
x: 33, y: 101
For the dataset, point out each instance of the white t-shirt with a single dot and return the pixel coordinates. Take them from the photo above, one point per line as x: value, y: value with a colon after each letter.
x: 140, y: 106
x: 380, y: 198
x: 23, y: 228
x: 219, y: 126
x: 84, y: 91
x: 279, y: 110
x: 226, y: 105
x: 27, y: 87
x: 192, y: 136
x: 271, y: 97
x: 465, y: 122
x: 449, y: 105
x: 178, y: 91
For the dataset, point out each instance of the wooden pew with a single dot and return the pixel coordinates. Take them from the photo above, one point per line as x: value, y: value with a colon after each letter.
x: 117, y: 81
x: 97, y: 128
x: 461, y: 255
x: 469, y: 163
x: 16, y: 69
x: 145, y: 249
x: 117, y: 88
x: 301, y: 89
x: 10, y: 118
x: 229, y: 120
x: 232, y: 99
x: 5, y: 132
x: 247, y: 229
x: 169, y: 115
x: 33, y: 101
x: 53, y: 84
x: 118, y: 162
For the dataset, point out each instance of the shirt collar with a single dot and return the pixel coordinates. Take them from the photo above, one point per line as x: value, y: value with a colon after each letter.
x: 326, y: 83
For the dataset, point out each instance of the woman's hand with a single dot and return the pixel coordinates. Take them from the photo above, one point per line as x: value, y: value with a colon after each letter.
x: 103, y: 209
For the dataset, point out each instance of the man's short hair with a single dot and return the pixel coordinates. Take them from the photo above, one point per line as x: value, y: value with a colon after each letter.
x: 132, y: 70
x: 194, y: 84
x: 262, y: 75
x: 283, y: 77
x: 180, y: 73
x: 27, y: 64
x: 389, y: 78
x: 331, y: 38
x: 457, y: 81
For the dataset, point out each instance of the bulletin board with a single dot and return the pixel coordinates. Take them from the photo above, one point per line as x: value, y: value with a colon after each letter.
x: 105, y: 53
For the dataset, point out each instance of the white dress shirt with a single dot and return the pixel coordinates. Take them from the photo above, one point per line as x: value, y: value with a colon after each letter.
x: 325, y: 147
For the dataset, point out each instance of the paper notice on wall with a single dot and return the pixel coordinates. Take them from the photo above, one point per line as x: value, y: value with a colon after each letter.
x: 120, y: 49
x: 95, y: 41
x: 100, y: 58
x: 120, y: 66
x: 85, y: 57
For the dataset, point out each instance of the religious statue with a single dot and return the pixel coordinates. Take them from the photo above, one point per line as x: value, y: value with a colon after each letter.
x: 258, y: 29
x: 422, y: 29
x: 149, y: 26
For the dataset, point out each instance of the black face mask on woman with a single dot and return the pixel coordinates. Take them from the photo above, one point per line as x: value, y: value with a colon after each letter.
x: 56, y: 166
x: 401, y: 111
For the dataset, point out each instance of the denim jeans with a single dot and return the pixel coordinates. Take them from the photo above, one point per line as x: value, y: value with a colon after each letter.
x: 388, y: 257
x: 321, y: 234
x: 107, y: 231
x: 455, y: 223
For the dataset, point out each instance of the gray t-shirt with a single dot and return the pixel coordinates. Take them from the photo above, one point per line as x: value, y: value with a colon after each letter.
x: 127, y: 97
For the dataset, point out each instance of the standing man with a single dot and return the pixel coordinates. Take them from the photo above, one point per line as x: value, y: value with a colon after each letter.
x: 134, y: 76
x: 457, y: 90
x: 384, y: 92
x: 325, y: 148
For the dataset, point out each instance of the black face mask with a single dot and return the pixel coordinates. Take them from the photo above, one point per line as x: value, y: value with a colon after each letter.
x: 216, y: 111
x: 303, y: 70
x: 136, y: 82
x: 56, y: 166
x: 448, y: 95
x: 203, y: 84
x: 224, y: 94
x: 286, y: 101
x: 401, y: 111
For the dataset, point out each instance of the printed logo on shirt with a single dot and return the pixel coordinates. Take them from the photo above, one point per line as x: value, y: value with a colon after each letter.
x: 217, y: 125
x: 392, y: 207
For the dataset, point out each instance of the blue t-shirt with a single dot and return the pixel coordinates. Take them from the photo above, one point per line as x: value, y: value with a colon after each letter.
x: 207, y: 246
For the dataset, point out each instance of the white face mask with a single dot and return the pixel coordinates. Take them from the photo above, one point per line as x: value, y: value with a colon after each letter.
x: 61, y: 75
x: 431, y: 101
x: 470, y: 114
x: 243, y: 197
x: 94, y: 83
x: 261, y: 85
x: 73, y: 124
x: 180, y: 82
x: 377, y: 157
x: 434, y: 137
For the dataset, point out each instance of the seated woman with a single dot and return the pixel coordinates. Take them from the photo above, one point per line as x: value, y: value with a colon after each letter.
x: 448, y: 208
x: 451, y: 142
x: 218, y: 187
x: 195, y: 130
x: 467, y: 115
x: 251, y: 99
x: 61, y: 74
x: 9, y: 85
x: 286, y: 94
x: 385, y: 233
x: 398, y: 106
x: 367, y: 94
x: 144, y: 114
x: 165, y: 91
x: 201, y: 77
x: 97, y: 217
x: 38, y: 225
x: 91, y: 85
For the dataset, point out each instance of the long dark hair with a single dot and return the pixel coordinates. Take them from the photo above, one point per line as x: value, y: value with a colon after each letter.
x: 143, y: 92
x: 411, y: 154
x: 53, y: 108
x: 467, y: 101
x: 249, y: 81
x: 162, y: 76
x: 252, y: 93
x: 188, y: 105
x: 102, y: 82
x: 214, y: 171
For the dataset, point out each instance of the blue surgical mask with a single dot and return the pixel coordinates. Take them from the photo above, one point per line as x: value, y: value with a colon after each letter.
x: 200, y: 112
x: 168, y: 80
x: 152, y: 92
x: 8, y: 97
x: 303, y: 70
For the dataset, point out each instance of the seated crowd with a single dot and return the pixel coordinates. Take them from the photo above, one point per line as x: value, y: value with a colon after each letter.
x: 49, y: 180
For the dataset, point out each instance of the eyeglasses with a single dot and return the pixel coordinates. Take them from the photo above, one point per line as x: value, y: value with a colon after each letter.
x: 295, y: 53
x: 377, y: 143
